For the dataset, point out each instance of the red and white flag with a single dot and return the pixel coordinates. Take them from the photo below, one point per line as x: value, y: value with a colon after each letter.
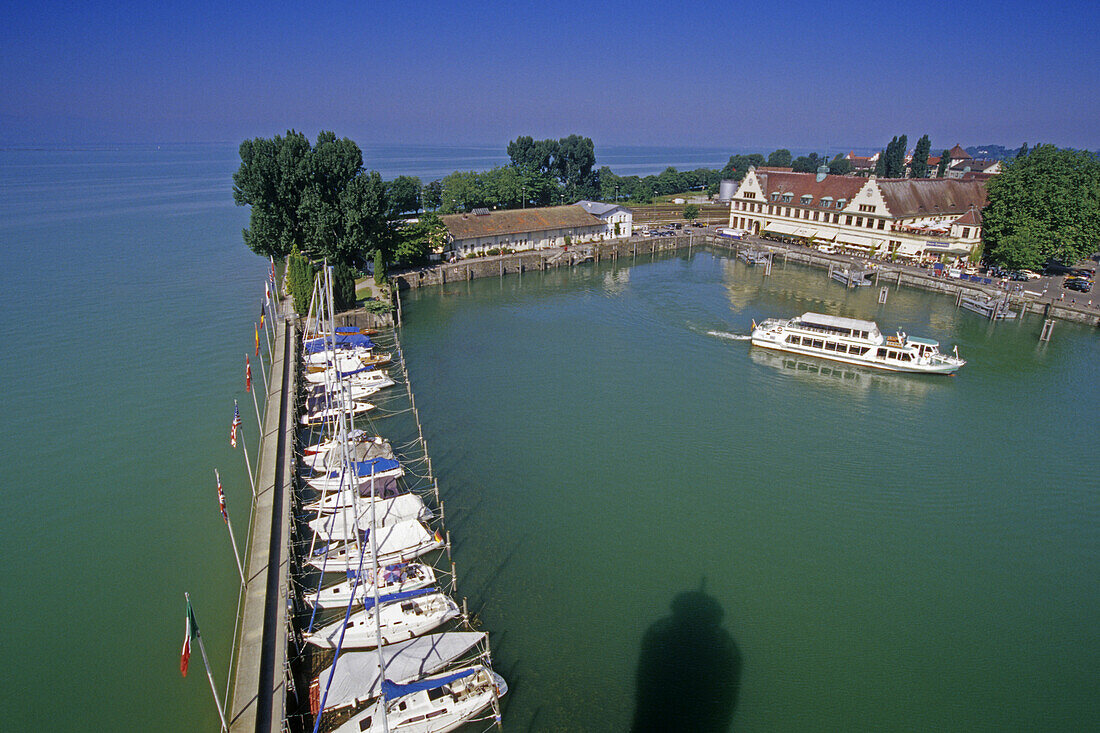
x: 247, y: 374
x: 221, y: 498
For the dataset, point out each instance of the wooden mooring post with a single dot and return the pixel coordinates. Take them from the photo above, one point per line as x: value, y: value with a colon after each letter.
x: 1048, y: 326
x: 882, y: 293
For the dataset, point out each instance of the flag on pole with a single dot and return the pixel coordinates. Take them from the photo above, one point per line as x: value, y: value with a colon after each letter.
x: 257, y: 332
x: 235, y: 425
x: 247, y: 374
x: 272, y: 268
x: 262, y: 307
x: 221, y: 498
x: 190, y: 629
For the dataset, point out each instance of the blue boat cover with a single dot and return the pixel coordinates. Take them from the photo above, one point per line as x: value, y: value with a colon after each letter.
x: 364, y: 469
x: 347, y: 329
x: 343, y: 340
x: 391, y: 690
x: 368, y: 601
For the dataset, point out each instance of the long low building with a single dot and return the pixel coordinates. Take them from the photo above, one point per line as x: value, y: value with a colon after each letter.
x: 909, y: 218
x: 519, y: 229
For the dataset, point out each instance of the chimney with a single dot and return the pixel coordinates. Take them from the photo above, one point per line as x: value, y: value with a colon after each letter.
x: 822, y: 171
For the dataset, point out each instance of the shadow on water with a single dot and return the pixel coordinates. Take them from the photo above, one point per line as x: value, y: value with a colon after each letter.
x: 689, y: 669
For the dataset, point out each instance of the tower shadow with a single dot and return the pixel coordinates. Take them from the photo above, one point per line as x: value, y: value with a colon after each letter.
x: 689, y: 670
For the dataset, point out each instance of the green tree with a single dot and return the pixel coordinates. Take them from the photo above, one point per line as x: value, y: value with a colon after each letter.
x: 691, y: 212
x: 1022, y: 152
x: 433, y: 195
x: 894, y: 158
x: 780, y: 158
x: 573, y: 164
x: 416, y: 241
x: 379, y: 267
x: 403, y: 195
x: 919, y: 167
x: 670, y: 181
x: 840, y: 166
x: 300, y: 276
x: 807, y: 163
x: 880, y: 165
x: 343, y: 287
x: 271, y: 179
x: 945, y: 160
x: 1045, y: 206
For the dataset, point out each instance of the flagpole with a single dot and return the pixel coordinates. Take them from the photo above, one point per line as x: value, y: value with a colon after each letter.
x: 247, y: 463
x: 256, y: 404
x: 209, y: 674
x: 232, y: 539
x: 263, y: 372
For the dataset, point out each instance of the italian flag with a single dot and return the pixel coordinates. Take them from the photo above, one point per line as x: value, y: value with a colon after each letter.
x: 190, y: 628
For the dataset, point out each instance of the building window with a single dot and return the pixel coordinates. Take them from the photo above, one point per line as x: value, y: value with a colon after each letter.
x: 786, y: 198
x: 966, y: 232
x: 840, y: 203
x: 870, y: 223
x: 806, y: 199
x: 881, y: 223
x: 775, y: 196
x: 848, y: 221
x: 836, y: 218
x: 859, y: 221
x: 866, y: 208
x: 815, y: 216
x: 750, y: 195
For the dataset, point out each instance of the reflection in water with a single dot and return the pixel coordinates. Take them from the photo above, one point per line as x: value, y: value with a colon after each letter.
x: 847, y: 376
x: 689, y: 670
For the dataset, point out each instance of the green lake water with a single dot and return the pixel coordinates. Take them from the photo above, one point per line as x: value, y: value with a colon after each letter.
x: 846, y: 550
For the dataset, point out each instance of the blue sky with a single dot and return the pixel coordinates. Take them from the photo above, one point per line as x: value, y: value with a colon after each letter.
x: 760, y: 75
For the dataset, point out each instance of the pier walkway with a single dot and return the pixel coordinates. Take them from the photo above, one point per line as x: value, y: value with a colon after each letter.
x: 259, y: 682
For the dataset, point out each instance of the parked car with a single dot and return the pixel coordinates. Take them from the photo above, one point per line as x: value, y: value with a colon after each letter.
x: 1017, y: 276
x: 1081, y: 286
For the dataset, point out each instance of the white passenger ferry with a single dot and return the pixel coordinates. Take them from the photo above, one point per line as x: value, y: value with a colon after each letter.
x: 854, y: 342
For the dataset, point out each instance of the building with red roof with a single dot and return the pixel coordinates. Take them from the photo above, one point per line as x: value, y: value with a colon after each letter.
x: 917, y: 219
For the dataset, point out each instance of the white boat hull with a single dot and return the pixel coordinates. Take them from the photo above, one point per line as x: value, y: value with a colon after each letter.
x: 344, y: 525
x: 397, y: 543
x: 872, y: 364
x: 416, y: 575
x: 350, y: 481
x: 462, y: 701
x: 400, y: 620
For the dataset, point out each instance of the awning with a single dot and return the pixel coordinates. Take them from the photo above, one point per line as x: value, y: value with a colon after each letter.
x: 855, y: 240
x: 779, y: 228
x: 803, y: 232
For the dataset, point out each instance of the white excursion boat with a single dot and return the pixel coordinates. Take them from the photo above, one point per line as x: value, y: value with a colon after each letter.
x: 853, y: 341
x: 401, y: 616
x: 395, y: 578
x: 345, y: 524
x: 396, y: 543
x: 435, y: 704
x: 357, y: 679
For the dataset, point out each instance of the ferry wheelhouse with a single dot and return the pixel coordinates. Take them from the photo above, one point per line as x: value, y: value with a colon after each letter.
x: 853, y: 341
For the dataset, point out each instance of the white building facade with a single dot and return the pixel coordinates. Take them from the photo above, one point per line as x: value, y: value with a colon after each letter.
x: 911, y: 219
x: 619, y: 219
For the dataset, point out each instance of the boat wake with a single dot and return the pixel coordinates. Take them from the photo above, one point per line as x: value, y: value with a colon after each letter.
x: 729, y: 336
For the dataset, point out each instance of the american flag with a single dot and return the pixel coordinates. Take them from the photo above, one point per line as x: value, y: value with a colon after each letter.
x: 221, y: 498
x: 235, y: 425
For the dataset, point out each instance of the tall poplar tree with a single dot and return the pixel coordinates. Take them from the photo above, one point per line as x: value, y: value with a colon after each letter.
x: 880, y: 165
x: 945, y: 160
x: 919, y: 167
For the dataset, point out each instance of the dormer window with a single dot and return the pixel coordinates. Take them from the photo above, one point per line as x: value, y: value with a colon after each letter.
x: 806, y: 199
x: 826, y: 201
x: 775, y: 196
x: 786, y: 198
x: 840, y: 203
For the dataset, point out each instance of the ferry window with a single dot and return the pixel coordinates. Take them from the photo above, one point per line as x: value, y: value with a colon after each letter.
x: 842, y: 348
x: 818, y: 343
x: 830, y: 346
x: 794, y: 340
x: 881, y: 353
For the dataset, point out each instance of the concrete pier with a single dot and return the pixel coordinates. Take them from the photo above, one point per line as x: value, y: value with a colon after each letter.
x: 259, y: 688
